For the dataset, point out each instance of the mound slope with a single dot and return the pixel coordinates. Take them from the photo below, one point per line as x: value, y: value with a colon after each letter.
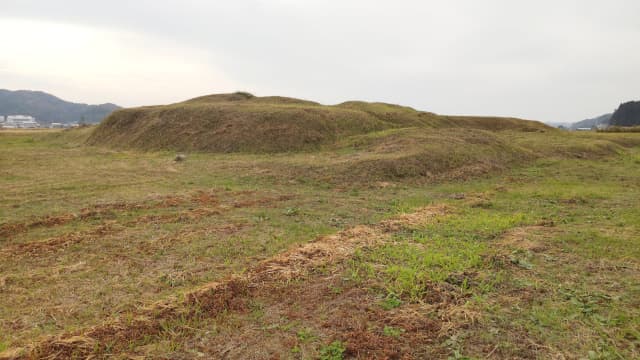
x: 241, y: 122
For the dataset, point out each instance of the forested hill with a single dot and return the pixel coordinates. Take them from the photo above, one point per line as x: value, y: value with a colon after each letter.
x: 47, y: 108
x: 628, y: 114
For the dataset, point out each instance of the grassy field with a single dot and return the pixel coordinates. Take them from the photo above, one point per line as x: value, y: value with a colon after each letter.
x: 452, y: 243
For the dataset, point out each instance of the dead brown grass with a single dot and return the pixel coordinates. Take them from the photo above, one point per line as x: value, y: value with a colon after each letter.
x: 209, y: 205
x: 228, y: 295
x: 292, y: 263
x: 40, y: 248
x: 352, y: 315
x: 528, y: 238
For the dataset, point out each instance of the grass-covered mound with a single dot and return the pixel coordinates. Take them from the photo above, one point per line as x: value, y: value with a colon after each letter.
x: 435, y: 155
x: 241, y: 122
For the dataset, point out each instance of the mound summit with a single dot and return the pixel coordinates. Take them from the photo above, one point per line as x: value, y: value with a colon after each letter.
x: 241, y: 122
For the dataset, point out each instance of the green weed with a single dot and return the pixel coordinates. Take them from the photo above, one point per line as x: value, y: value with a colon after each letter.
x: 333, y: 351
x: 392, y: 331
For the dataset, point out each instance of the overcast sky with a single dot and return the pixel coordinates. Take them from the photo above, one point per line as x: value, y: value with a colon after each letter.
x: 561, y: 60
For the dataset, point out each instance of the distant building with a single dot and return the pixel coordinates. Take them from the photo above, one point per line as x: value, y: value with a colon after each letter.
x: 20, y: 122
x: 1, y: 119
x: 583, y: 129
x: 56, y: 125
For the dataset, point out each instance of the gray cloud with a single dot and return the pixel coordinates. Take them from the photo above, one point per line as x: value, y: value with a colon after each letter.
x: 547, y: 60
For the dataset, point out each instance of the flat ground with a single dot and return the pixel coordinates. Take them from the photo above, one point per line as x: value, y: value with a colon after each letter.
x: 126, y: 254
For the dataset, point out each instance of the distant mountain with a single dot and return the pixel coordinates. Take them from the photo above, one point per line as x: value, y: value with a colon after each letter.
x: 47, y: 108
x: 628, y: 114
x: 589, y: 123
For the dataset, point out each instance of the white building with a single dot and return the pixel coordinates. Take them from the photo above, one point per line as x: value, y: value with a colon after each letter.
x: 20, y: 122
x: 1, y: 119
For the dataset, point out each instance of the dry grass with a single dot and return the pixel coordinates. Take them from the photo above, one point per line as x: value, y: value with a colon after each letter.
x: 213, y: 298
x: 244, y: 123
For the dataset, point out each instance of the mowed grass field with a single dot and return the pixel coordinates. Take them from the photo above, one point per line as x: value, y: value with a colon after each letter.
x: 128, y: 254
